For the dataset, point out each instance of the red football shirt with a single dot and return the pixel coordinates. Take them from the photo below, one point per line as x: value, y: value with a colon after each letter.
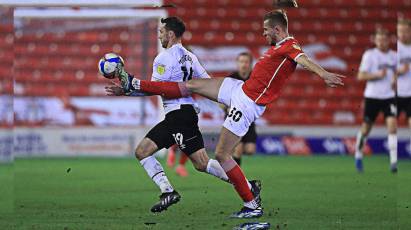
x: 272, y: 70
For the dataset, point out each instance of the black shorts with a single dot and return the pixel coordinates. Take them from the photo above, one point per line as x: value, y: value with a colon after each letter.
x: 251, y: 135
x: 179, y: 127
x: 374, y: 106
x: 404, y: 104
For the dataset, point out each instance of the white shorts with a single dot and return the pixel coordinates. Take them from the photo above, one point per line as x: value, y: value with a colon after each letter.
x: 243, y: 111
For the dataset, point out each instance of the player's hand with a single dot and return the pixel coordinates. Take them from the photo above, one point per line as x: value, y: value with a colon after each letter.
x: 333, y: 79
x: 125, y: 79
x: 404, y: 69
x: 381, y: 74
x: 114, y: 89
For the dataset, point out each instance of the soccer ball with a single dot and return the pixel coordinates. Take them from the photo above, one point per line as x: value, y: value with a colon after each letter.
x: 109, y: 64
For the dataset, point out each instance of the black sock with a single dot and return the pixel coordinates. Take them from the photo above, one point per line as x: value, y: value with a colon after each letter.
x: 238, y: 160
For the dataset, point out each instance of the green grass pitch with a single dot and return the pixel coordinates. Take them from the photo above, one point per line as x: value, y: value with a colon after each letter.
x: 298, y: 193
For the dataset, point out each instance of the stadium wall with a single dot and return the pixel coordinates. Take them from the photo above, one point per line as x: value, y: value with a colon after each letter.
x: 121, y: 141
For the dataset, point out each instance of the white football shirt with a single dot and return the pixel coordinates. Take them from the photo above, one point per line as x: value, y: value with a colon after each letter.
x: 404, y: 81
x: 177, y: 64
x: 374, y: 61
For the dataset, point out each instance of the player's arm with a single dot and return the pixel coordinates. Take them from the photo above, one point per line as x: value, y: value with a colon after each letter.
x: 367, y: 76
x: 115, y: 89
x: 331, y: 79
x: 403, y: 69
x: 198, y: 69
x: 365, y: 72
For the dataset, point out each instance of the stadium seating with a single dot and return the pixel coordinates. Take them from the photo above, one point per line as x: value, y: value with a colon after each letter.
x: 49, y: 62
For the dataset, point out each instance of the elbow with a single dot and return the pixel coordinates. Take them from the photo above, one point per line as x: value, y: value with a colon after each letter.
x: 360, y: 77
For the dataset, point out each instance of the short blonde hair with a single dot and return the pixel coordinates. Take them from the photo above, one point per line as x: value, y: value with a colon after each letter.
x: 404, y: 21
x: 381, y: 31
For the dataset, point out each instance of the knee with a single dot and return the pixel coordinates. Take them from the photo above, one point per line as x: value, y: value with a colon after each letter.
x: 200, y: 166
x: 141, y: 152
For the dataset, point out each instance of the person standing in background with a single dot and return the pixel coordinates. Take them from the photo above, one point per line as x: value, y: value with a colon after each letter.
x: 377, y: 68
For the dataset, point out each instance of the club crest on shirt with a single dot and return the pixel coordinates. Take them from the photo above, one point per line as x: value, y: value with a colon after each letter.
x: 161, y: 69
x: 297, y: 47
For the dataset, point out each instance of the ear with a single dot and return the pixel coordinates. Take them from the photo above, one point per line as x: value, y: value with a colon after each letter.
x: 170, y: 34
x: 278, y: 29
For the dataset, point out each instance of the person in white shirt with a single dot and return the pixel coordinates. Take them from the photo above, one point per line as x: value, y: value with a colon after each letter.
x: 180, y: 126
x: 404, y: 69
x: 377, y: 68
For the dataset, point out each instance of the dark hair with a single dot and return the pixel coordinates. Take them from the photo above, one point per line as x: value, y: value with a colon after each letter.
x: 285, y: 3
x: 277, y: 17
x: 247, y: 54
x: 174, y: 24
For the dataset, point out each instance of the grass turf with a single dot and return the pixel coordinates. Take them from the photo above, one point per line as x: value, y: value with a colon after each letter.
x: 298, y: 193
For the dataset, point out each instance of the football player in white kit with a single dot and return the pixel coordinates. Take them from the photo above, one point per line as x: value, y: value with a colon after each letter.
x: 404, y: 69
x: 180, y: 126
x: 378, y: 66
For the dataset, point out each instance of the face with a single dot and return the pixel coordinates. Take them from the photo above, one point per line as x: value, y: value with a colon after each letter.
x: 244, y: 64
x: 270, y: 32
x: 382, y: 42
x: 404, y: 33
x: 164, y: 36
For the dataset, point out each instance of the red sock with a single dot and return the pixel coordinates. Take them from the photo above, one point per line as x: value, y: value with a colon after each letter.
x: 169, y: 90
x: 237, y: 178
x: 183, y: 159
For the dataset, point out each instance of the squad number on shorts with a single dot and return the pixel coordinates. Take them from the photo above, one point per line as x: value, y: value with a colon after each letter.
x: 235, y: 114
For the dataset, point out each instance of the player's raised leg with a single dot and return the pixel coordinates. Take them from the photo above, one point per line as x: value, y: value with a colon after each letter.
x: 208, y: 88
x: 144, y: 153
x: 391, y: 122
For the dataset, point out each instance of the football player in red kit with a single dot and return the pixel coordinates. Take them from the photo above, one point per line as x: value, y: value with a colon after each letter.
x: 246, y: 100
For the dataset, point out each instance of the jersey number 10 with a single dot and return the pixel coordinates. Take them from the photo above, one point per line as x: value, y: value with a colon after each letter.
x: 187, y: 77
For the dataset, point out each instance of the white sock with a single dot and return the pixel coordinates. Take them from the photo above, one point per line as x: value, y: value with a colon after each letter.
x: 214, y: 168
x: 392, y: 146
x: 156, y: 172
x: 359, y: 144
x: 251, y: 204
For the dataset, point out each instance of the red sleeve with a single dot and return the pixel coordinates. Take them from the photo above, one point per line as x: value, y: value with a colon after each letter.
x: 292, y: 50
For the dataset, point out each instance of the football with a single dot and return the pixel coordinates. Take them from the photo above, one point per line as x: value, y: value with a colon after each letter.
x: 109, y: 64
